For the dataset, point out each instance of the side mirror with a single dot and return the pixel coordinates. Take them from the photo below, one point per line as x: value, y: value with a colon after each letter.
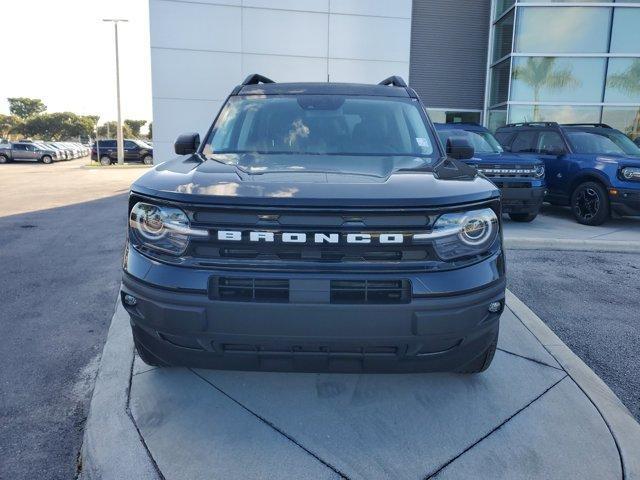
x: 556, y: 150
x: 459, y: 148
x: 187, y: 143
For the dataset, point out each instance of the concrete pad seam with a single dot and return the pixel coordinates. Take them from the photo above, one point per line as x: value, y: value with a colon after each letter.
x: 145, y: 371
x: 273, y: 426
x: 492, y: 431
x: 135, y: 425
x: 597, y: 407
x: 564, y: 244
x: 539, y: 362
x: 608, y: 233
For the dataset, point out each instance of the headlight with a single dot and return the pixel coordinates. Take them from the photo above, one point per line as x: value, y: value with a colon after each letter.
x: 631, y: 173
x: 463, y: 234
x: 162, y: 228
x: 539, y: 171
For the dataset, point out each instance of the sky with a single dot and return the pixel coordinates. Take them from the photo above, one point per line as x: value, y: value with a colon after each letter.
x: 63, y: 53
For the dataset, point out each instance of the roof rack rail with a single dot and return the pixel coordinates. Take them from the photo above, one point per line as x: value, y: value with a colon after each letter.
x: 256, y: 78
x: 586, y: 124
x: 533, y: 124
x: 394, y: 80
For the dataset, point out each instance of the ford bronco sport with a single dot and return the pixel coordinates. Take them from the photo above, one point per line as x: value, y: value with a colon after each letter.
x: 318, y: 227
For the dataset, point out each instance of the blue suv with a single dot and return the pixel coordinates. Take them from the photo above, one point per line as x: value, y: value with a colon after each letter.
x: 520, y: 178
x: 591, y: 167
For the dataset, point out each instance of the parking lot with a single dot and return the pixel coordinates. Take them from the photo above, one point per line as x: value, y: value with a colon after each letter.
x: 62, y: 231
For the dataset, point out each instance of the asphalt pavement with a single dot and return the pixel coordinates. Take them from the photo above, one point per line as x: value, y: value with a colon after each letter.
x: 60, y: 276
x: 592, y: 302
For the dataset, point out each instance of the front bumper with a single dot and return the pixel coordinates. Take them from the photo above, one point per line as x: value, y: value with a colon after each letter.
x: 521, y: 198
x: 626, y: 202
x: 436, y: 330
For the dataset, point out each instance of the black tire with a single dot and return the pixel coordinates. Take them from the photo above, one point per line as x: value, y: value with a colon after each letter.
x: 46, y: 159
x: 105, y: 160
x: 146, y: 356
x: 523, y: 217
x: 482, y: 361
x: 590, y: 204
x: 4, y: 159
x: 147, y: 160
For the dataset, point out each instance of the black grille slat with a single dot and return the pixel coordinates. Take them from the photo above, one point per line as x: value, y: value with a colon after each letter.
x: 247, y: 289
x: 370, y: 291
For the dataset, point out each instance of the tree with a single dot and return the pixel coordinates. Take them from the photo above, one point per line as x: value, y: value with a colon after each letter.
x: 8, y: 125
x: 150, y: 135
x: 629, y: 83
x: 109, y: 130
x: 24, y: 107
x: 58, y: 126
x: 135, y: 126
x: 539, y: 73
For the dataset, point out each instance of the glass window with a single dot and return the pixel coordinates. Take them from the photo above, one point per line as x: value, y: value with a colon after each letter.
x: 557, y: 79
x: 497, y: 118
x: 337, y: 125
x: 502, y: 6
x: 623, y: 80
x: 524, y: 142
x: 453, y: 116
x: 503, y: 36
x: 591, y: 142
x: 625, y: 119
x: 548, y: 113
x: 500, y: 82
x: 129, y: 144
x: 550, y: 143
x: 625, y: 36
x: 562, y: 29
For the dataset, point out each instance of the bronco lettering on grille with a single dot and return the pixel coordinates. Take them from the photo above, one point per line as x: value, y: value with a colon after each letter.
x: 316, y: 238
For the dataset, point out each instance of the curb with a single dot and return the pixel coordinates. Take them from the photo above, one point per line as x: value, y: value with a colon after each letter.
x: 613, y: 246
x: 624, y: 428
x: 112, y: 447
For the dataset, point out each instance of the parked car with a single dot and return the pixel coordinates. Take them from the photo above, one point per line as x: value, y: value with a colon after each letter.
x: 62, y: 153
x: 335, y: 196
x: 134, y: 151
x: 637, y: 141
x: 520, y: 178
x: 591, y: 167
x: 27, y: 151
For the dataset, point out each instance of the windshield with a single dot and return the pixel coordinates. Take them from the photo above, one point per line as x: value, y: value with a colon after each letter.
x: 323, y: 125
x: 482, y: 142
x: 603, y: 143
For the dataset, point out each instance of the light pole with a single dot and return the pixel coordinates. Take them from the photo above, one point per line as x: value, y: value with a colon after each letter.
x: 119, y: 139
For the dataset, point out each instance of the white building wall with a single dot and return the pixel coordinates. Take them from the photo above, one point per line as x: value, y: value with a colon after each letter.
x: 201, y: 49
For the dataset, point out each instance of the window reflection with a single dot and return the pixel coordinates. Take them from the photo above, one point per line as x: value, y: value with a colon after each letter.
x: 562, y: 29
x: 557, y: 79
x: 503, y: 5
x: 625, y: 36
x: 499, y: 83
x: 503, y: 36
x: 497, y: 118
x: 625, y: 119
x: 623, y: 80
x: 554, y: 113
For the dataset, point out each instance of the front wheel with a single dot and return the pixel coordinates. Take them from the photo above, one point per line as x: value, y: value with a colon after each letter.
x: 105, y: 161
x: 590, y: 204
x: 47, y: 159
x: 523, y: 217
x: 147, y: 160
x: 4, y: 159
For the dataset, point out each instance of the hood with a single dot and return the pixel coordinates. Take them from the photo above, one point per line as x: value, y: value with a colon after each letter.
x: 195, y: 179
x: 505, y: 158
x: 623, y: 160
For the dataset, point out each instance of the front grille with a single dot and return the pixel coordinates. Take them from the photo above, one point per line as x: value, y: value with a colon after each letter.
x: 370, y: 291
x: 278, y: 290
x: 324, y: 349
x: 507, y: 171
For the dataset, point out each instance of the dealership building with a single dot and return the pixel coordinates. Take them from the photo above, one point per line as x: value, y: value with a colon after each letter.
x: 485, y: 61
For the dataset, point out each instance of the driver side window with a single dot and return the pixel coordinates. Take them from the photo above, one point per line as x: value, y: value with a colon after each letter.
x: 550, y: 143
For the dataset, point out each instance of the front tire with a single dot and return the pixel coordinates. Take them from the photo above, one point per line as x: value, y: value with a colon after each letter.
x: 482, y: 361
x: 146, y: 356
x: 47, y: 160
x: 590, y: 204
x: 105, y: 161
x: 147, y: 160
x: 4, y: 159
x: 523, y: 217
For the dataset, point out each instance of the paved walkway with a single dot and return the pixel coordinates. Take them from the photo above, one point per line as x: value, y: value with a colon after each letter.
x: 538, y: 412
x: 555, y: 228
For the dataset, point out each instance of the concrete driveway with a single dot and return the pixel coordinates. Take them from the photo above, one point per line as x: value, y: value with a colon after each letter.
x: 538, y: 412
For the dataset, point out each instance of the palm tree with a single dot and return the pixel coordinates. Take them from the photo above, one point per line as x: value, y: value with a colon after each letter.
x: 629, y: 83
x: 539, y: 73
